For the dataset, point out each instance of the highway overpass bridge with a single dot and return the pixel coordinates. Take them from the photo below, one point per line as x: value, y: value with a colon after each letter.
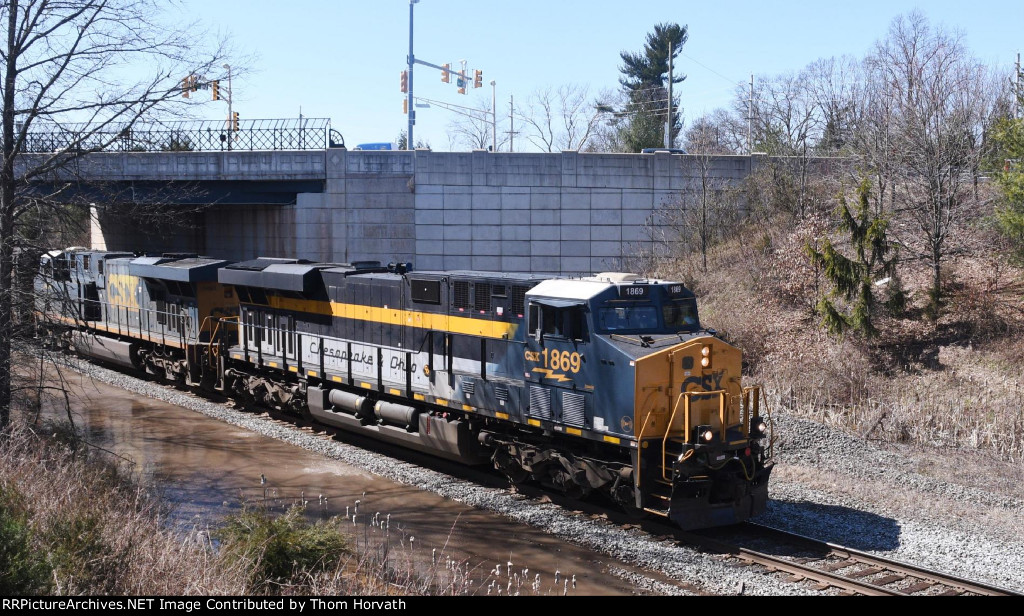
x: 565, y: 212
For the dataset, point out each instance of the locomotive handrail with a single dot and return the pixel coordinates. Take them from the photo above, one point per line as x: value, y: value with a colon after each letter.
x: 752, y: 392
x: 684, y: 398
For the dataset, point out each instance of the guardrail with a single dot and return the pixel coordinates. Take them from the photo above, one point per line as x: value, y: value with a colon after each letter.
x: 187, y: 136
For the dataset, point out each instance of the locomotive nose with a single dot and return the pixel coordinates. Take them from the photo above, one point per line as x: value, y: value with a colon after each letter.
x: 687, y: 386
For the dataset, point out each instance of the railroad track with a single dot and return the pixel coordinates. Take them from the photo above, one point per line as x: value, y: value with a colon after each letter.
x: 830, y: 566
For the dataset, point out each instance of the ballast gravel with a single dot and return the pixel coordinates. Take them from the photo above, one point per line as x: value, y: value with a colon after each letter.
x: 827, y: 485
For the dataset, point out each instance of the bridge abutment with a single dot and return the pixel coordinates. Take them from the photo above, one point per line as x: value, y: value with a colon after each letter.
x: 553, y: 213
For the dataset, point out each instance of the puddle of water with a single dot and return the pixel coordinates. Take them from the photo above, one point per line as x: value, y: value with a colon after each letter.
x: 206, y: 469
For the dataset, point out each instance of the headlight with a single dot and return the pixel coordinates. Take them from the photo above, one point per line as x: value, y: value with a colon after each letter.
x: 758, y: 427
x: 704, y: 361
x: 704, y: 434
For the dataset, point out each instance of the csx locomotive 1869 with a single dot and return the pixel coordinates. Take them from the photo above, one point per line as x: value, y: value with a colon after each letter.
x: 605, y: 384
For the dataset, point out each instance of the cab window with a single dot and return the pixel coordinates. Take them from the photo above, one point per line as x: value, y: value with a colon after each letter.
x: 680, y: 314
x: 550, y: 321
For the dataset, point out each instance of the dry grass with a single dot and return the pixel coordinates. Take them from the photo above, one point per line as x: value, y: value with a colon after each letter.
x: 98, y: 532
x: 73, y: 523
x: 953, y: 382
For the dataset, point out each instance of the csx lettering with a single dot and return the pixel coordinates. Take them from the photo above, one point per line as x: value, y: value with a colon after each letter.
x: 553, y: 359
x: 708, y: 382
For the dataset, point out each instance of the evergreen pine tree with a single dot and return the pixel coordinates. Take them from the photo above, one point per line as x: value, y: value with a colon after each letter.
x: 1008, y: 135
x: 854, y: 278
x: 641, y: 122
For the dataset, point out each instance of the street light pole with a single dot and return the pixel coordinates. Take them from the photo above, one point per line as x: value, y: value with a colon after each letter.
x: 494, y: 117
x: 230, y: 109
x: 412, y: 61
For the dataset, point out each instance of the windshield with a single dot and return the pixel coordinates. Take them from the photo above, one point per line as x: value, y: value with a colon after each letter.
x: 680, y: 314
x: 628, y: 317
x: 631, y: 317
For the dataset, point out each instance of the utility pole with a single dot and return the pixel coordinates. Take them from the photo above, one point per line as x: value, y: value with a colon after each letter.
x: 750, y: 118
x: 412, y: 61
x: 494, y: 116
x: 511, y: 124
x: 668, y: 121
x: 1019, y: 93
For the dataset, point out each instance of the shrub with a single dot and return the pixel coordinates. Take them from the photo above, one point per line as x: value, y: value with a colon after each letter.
x: 22, y: 570
x: 279, y: 550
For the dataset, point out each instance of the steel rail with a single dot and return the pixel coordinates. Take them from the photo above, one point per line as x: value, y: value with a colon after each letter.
x: 930, y: 576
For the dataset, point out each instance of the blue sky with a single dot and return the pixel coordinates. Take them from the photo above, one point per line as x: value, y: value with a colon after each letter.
x: 341, y: 59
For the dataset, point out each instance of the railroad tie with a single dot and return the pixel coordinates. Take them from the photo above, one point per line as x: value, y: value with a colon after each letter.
x: 836, y: 566
x: 918, y: 587
x: 865, y: 572
x: 888, y: 579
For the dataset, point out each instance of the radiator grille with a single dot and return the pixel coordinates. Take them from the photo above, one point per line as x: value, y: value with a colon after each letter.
x: 469, y: 388
x: 482, y: 297
x: 540, y: 403
x: 461, y: 293
x: 518, y: 299
x: 501, y: 393
x: 573, y: 409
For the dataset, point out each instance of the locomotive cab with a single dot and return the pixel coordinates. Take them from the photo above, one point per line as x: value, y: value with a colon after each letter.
x: 647, y: 373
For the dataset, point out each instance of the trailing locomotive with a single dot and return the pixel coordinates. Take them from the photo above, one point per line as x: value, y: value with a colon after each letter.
x: 606, y: 384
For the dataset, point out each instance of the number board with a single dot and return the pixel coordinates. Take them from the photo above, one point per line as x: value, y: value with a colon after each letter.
x: 634, y: 291
x: 675, y: 290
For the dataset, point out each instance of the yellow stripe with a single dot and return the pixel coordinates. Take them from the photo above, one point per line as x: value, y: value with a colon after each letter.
x: 311, y: 373
x: 366, y: 385
x: 390, y: 316
x: 236, y: 356
x: 501, y: 415
x: 612, y: 439
x: 574, y: 431
x: 466, y: 407
x: 418, y: 397
x: 124, y: 331
x: 272, y: 364
x: 440, y: 402
x: 336, y: 378
x: 533, y: 422
x: 292, y: 369
x: 395, y: 392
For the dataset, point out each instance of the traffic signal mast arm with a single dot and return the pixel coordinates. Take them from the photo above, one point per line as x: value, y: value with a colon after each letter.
x: 447, y: 72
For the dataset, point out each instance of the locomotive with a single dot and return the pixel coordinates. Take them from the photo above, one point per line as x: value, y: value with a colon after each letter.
x: 607, y: 384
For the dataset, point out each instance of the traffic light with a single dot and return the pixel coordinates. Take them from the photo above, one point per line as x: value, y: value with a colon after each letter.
x: 478, y: 79
x: 461, y: 82
x: 216, y: 89
x: 405, y: 106
x: 445, y: 76
x: 405, y: 81
x: 186, y: 86
x: 234, y: 120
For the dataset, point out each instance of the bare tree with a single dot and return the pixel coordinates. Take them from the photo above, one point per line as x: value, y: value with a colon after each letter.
x: 102, y: 64
x: 923, y: 127
x: 561, y: 119
x: 471, y: 127
x: 835, y: 85
x: 703, y: 142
